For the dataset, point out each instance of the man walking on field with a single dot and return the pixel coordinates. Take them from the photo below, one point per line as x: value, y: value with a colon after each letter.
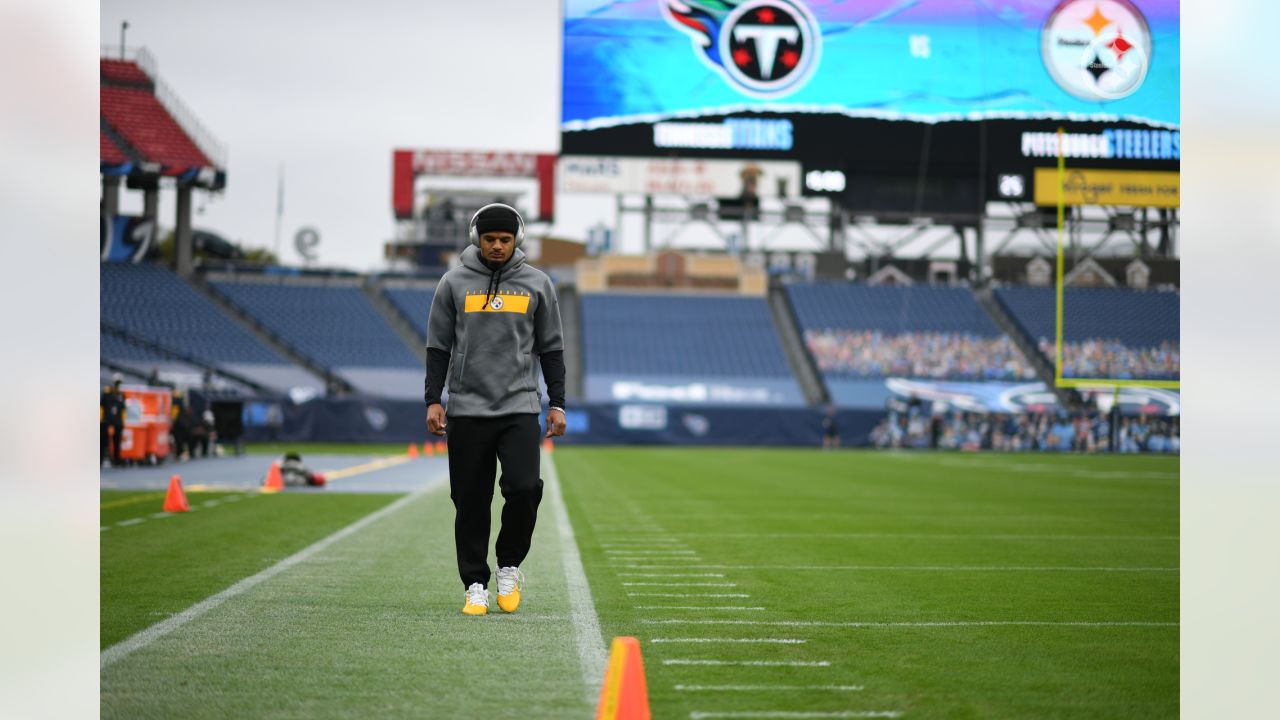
x: 491, y: 316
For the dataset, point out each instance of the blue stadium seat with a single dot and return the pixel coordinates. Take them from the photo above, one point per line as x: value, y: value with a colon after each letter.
x: 414, y: 304
x: 152, y: 302
x: 681, y: 335
x: 335, y: 326
x: 888, y: 308
x: 1137, y: 318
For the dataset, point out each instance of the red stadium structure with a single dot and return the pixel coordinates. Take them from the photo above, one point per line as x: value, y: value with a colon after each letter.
x: 149, y: 138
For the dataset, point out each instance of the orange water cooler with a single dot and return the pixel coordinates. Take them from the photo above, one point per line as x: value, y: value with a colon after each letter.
x: 146, y: 423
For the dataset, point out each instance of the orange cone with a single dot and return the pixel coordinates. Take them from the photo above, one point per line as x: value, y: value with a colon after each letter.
x: 624, y: 695
x: 441, y: 447
x: 176, y: 500
x: 427, y: 449
x: 548, y: 445
x: 413, y: 450
x: 274, y: 482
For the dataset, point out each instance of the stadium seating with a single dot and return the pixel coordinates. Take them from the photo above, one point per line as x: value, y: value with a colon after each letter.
x: 682, y: 338
x: 1136, y: 318
x: 858, y: 333
x: 108, y: 152
x: 152, y: 303
x: 144, y: 123
x: 1106, y: 332
x: 890, y: 309
x: 334, y: 326
x: 413, y: 304
x: 123, y: 72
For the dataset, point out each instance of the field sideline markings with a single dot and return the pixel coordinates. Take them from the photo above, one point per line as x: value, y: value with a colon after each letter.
x: 612, y: 551
x: 586, y: 624
x: 765, y: 688
x: 379, y: 464
x: 750, y: 663
x: 149, y: 635
x: 767, y: 641
x: 671, y: 574
x: 130, y: 501
x: 920, y: 624
x: 936, y: 536
x: 787, y: 714
x: 696, y: 607
x: 697, y: 584
x: 677, y: 595
x: 920, y: 568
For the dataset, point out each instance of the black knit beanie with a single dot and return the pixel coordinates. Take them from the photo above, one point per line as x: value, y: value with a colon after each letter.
x: 498, y: 218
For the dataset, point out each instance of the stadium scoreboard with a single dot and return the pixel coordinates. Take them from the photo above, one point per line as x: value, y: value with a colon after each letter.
x: 882, y: 104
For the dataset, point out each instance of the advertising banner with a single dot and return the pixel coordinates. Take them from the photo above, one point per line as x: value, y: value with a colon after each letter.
x: 716, y: 178
x: 999, y: 397
x: 1091, y: 186
x: 693, y: 390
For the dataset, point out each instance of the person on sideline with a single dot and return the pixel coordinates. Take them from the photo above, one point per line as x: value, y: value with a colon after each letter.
x: 491, y: 316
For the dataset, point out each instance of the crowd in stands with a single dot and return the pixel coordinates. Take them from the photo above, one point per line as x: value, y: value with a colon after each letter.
x: 936, y: 355
x: 1110, y: 358
x: 911, y: 425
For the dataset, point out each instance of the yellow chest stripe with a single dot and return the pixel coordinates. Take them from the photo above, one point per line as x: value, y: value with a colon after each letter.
x: 502, y: 302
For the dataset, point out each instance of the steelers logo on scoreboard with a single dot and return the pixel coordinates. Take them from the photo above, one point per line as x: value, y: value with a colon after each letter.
x: 496, y: 302
x: 763, y: 48
x: 1097, y: 50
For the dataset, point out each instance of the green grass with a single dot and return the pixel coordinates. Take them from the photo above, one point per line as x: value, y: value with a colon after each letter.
x: 770, y: 514
x: 370, y: 626
x: 162, y: 565
x: 316, y: 448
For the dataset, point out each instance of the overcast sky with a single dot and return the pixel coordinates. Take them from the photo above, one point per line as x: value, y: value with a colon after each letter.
x: 327, y: 89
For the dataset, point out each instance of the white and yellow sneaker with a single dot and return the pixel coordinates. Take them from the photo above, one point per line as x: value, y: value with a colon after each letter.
x: 477, y: 602
x: 509, y: 581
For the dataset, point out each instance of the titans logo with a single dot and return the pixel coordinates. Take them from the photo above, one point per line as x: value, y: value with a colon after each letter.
x: 763, y: 48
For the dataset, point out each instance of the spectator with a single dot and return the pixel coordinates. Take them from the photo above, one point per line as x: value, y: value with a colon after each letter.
x: 937, y: 355
x: 1109, y: 358
x: 1086, y: 432
x: 111, y: 411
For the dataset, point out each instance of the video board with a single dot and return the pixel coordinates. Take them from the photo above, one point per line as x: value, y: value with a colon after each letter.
x: 955, y: 90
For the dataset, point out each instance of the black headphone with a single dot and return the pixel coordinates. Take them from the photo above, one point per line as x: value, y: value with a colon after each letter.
x: 474, y: 236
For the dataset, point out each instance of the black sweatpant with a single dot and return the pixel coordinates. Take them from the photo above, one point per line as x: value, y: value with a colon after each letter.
x: 475, y: 446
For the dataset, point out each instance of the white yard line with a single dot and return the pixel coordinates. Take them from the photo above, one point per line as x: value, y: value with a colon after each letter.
x: 930, y: 536
x: 656, y: 542
x: 696, y: 607
x: 765, y: 688
x: 586, y: 624
x: 650, y: 552
x: 671, y: 574
x: 787, y: 714
x: 751, y: 663
x: 681, y: 595
x: 908, y: 568
x: 145, y: 637
x: 696, y: 584
x: 934, y: 624
x: 767, y: 641
x: 130, y: 521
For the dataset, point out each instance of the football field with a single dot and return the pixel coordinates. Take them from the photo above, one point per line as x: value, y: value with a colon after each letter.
x: 760, y: 582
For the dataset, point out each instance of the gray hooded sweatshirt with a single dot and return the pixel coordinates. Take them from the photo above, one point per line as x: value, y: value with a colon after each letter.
x: 493, y: 333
